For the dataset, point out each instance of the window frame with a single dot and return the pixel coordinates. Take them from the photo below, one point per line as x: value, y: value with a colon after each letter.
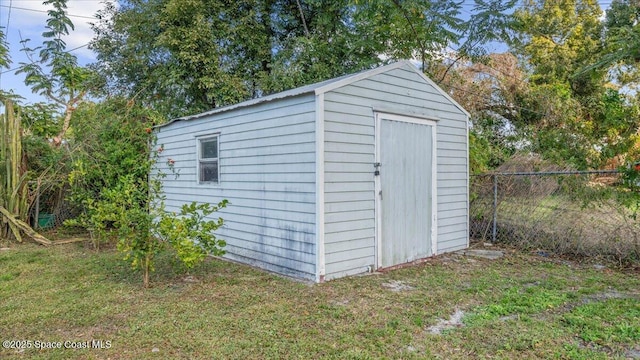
x: 200, y: 159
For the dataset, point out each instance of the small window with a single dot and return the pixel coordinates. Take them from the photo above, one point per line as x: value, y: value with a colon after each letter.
x: 208, y: 163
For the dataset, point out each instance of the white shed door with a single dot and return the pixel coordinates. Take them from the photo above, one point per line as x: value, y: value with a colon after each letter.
x: 406, y: 153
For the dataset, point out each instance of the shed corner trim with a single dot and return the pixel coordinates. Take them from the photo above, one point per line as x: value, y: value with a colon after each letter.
x: 319, y: 128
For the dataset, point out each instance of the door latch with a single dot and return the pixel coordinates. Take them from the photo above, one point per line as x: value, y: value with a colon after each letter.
x: 376, y: 166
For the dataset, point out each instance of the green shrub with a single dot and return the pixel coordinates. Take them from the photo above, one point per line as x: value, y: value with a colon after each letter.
x: 110, y: 182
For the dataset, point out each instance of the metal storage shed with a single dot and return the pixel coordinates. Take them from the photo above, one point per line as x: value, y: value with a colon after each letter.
x: 341, y: 177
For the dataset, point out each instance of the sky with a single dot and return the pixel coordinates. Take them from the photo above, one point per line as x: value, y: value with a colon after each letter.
x: 26, y: 19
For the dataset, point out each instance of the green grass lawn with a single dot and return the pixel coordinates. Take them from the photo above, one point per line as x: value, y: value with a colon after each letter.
x: 520, y: 306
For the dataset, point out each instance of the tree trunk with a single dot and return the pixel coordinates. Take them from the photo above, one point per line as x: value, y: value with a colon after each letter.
x: 147, y: 266
x: 18, y: 225
x: 70, y: 107
x: 57, y: 140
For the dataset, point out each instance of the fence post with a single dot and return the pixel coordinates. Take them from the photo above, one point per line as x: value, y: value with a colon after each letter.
x: 495, y: 208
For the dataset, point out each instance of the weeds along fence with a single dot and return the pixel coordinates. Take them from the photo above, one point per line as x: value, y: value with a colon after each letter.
x: 574, y: 213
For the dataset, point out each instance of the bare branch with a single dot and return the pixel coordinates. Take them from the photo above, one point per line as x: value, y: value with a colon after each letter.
x: 304, y: 22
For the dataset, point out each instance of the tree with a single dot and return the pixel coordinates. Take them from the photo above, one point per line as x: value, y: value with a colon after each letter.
x: 190, y: 56
x: 622, y: 51
x: 411, y: 29
x: 5, y: 58
x: 556, y: 38
x: 571, y: 114
x: 185, y: 56
x: 110, y: 181
x: 52, y: 71
x: 493, y: 90
x: 537, y: 100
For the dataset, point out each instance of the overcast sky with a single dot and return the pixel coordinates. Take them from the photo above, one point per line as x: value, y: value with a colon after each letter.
x: 27, y: 18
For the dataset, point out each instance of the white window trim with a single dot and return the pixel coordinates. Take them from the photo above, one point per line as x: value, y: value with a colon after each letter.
x: 199, y: 140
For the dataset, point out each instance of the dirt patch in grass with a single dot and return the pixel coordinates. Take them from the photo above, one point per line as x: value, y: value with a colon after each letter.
x: 633, y: 353
x: 455, y: 320
x: 397, y: 286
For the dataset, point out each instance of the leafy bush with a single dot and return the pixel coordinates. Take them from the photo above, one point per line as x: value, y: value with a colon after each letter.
x: 189, y: 233
x: 110, y: 181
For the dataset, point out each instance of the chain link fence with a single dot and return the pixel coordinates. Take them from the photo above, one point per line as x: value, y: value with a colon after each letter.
x: 49, y: 207
x: 573, y: 213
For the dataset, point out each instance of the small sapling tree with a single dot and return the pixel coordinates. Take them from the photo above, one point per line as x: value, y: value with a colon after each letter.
x: 145, y: 232
x: 111, y: 181
x: 189, y: 232
x: 134, y: 210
